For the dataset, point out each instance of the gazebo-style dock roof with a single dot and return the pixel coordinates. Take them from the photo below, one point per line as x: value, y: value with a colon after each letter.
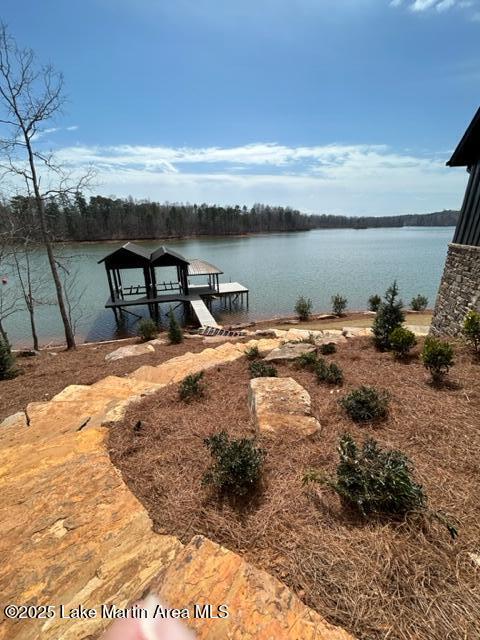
x: 153, y: 293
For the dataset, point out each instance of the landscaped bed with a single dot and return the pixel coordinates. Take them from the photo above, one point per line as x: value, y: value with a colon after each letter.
x: 377, y: 578
x: 44, y: 375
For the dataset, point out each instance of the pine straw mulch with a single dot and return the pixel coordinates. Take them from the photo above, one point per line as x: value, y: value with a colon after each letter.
x: 404, y: 580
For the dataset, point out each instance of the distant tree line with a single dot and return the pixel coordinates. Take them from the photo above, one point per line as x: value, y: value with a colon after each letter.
x: 101, y: 218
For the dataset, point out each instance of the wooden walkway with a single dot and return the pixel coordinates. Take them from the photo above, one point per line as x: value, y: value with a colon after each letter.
x: 204, y: 316
x: 229, y: 292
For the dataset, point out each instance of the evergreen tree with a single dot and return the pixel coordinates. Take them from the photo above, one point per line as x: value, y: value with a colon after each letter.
x: 175, y: 334
x: 389, y: 316
x: 7, y: 361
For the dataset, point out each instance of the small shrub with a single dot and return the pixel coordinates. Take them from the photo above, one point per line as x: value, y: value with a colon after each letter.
x: 329, y: 373
x: 147, y: 329
x: 328, y: 349
x: 310, y: 339
x: 389, y: 316
x: 307, y: 360
x: 419, y: 303
x: 339, y: 304
x: 401, y: 341
x: 471, y: 328
x: 191, y: 387
x: 7, y: 361
x: 175, y: 334
x: 374, y: 302
x: 303, y: 308
x: 259, y: 369
x: 252, y: 353
x: 366, y: 404
x: 437, y: 357
x: 374, y: 480
x: 237, y: 465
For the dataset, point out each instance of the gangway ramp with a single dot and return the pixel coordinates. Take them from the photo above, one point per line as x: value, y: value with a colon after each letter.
x: 204, y: 316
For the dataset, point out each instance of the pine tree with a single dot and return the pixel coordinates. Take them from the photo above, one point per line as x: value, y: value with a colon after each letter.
x: 174, y: 332
x: 389, y: 316
x: 7, y: 361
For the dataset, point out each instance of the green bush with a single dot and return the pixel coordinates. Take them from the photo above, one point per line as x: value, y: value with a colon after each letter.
x: 252, y: 353
x: 374, y: 302
x: 389, y: 316
x: 366, y: 404
x: 328, y: 349
x: 401, y: 341
x: 374, y: 480
x: 329, y: 373
x: 259, y: 369
x: 175, y: 334
x: 471, y: 328
x: 303, y: 308
x: 419, y: 303
x: 307, y: 360
x: 7, y: 361
x: 437, y: 357
x: 191, y: 386
x: 237, y: 465
x: 147, y: 329
x: 339, y: 304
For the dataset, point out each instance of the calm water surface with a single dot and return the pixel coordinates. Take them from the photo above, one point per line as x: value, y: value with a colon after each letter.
x: 277, y: 268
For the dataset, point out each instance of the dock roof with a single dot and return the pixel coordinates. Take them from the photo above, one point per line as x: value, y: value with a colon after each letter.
x: 202, y: 268
x: 128, y: 256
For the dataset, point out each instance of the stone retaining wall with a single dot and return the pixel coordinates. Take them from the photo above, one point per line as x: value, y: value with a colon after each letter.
x: 459, y: 290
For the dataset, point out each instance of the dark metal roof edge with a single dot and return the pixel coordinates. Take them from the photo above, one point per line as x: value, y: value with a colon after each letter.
x: 457, y: 159
x: 128, y: 246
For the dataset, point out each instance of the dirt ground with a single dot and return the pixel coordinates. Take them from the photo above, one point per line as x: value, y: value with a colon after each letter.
x: 46, y: 374
x: 402, y: 581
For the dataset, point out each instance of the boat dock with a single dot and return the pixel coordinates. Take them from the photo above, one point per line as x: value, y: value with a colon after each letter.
x: 152, y: 293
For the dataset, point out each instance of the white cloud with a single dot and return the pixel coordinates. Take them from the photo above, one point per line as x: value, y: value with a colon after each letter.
x: 421, y: 6
x: 338, y: 178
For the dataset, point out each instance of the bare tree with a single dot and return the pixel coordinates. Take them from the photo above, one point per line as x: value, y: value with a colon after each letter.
x: 31, y: 95
x: 10, y: 300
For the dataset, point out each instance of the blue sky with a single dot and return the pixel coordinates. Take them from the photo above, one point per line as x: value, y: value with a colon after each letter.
x: 342, y: 106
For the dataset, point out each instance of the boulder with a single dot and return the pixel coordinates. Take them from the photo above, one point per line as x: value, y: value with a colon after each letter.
x: 130, y: 350
x: 259, y: 605
x: 290, y: 351
x: 281, y: 404
x: 357, y: 332
x: 266, y: 333
x: 17, y: 420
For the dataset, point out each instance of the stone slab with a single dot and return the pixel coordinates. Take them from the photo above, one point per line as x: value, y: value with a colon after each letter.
x: 260, y: 606
x: 281, y: 404
x: 130, y: 350
x: 290, y: 351
x: 71, y: 532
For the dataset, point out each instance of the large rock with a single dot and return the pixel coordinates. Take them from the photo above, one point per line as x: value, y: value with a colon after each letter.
x: 259, y: 605
x: 131, y: 350
x: 71, y: 533
x: 281, y: 404
x: 357, y: 332
x: 290, y: 351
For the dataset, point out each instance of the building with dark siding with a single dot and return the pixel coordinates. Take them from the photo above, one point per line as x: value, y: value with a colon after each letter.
x: 460, y: 286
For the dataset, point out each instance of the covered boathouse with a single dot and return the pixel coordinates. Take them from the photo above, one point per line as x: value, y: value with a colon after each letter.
x: 460, y: 286
x: 152, y: 290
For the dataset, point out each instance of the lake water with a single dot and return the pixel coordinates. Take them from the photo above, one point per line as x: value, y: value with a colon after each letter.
x: 277, y: 268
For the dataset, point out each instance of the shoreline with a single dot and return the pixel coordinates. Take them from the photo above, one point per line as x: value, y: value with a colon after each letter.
x: 322, y: 318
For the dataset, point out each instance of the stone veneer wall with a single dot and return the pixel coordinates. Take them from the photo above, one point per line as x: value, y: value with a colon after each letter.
x: 459, y: 290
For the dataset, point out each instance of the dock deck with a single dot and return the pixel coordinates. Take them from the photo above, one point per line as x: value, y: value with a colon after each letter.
x: 230, y: 290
